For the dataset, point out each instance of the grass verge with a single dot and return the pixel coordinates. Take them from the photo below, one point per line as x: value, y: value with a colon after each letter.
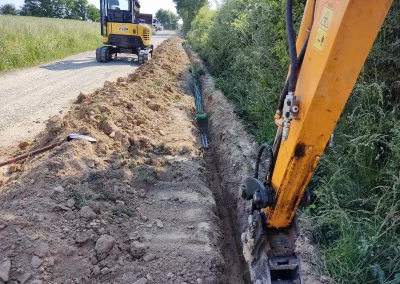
x: 27, y: 41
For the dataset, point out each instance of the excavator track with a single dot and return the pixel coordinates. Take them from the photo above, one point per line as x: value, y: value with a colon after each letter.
x: 144, y: 56
x: 103, y: 54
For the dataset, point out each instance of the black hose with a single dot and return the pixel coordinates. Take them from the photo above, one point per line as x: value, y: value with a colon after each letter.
x: 292, y: 46
x: 270, y: 158
x: 299, y: 61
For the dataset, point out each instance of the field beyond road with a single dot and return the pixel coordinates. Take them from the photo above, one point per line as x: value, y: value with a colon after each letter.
x: 27, y: 41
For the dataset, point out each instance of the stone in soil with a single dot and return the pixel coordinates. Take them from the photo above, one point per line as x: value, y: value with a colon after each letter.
x: 159, y: 224
x: 87, y: 212
x: 41, y: 249
x: 36, y: 262
x: 141, y: 281
x: 59, y: 189
x: 149, y: 257
x: 59, y: 207
x: 104, y: 244
x: 24, y: 277
x: 71, y: 202
x: 5, y: 266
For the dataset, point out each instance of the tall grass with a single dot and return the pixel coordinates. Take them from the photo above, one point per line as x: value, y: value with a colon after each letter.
x: 26, y: 41
x: 356, y: 188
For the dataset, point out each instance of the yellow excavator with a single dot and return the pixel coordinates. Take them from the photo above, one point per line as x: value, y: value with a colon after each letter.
x: 123, y: 31
x: 333, y: 43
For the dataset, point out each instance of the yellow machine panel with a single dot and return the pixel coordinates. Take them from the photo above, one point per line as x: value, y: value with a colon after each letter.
x: 129, y: 30
x: 122, y: 29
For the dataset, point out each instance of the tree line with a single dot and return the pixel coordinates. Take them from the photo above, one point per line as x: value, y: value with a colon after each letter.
x: 62, y: 9
x: 168, y: 19
x: 82, y: 10
x: 188, y: 9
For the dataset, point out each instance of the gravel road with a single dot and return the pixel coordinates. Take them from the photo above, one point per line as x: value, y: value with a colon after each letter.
x: 28, y: 97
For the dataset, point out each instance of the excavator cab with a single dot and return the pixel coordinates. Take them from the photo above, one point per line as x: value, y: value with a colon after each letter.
x: 123, y: 31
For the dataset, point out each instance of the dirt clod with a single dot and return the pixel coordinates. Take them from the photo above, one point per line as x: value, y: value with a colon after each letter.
x: 54, y: 124
x: 24, y: 145
x: 109, y: 127
x: 81, y: 98
x: 154, y: 106
x: 137, y: 249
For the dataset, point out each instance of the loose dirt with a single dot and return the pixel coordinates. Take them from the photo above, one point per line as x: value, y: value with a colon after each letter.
x: 136, y: 207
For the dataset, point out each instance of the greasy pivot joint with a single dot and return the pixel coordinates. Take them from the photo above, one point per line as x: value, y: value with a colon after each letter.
x: 254, y: 189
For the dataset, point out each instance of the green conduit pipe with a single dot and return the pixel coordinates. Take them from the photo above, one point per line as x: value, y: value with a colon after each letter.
x: 201, y: 116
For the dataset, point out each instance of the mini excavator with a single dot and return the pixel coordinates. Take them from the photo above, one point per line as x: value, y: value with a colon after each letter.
x: 333, y: 43
x: 124, y: 31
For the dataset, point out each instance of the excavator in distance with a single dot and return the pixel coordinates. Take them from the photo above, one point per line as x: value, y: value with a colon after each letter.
x: 333, y: 43
x: 123, y: 31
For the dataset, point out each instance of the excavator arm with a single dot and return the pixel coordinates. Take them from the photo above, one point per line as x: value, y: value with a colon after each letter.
x: 333, y: 43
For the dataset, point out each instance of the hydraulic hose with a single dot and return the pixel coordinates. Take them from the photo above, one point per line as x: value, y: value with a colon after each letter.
x: 292, y: 46
x: 299, y: 61
x: 271, y: 162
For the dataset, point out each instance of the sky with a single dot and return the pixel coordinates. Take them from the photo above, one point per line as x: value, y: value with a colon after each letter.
x: 148, y: 6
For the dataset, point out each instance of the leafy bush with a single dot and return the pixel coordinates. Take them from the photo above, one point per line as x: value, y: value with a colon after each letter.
x: 356, y: 187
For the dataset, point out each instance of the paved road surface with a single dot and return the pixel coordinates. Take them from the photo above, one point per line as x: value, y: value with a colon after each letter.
x: 30, y: 96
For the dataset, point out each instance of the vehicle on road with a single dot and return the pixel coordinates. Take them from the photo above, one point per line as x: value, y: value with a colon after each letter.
x: 124, y: 30
x: 157, y: 25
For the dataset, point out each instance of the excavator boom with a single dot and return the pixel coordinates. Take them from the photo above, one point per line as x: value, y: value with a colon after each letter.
x: 333, y: 43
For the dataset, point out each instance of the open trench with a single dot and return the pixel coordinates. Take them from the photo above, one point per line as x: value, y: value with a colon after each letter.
x: 233, y: 158
x: 236, y: 270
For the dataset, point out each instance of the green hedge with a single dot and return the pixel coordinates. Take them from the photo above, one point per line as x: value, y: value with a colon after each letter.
x: 356, y: 187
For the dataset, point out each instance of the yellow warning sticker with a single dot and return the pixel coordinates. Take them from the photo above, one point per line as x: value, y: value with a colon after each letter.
x: 320, y: 39
x: 324, y: 24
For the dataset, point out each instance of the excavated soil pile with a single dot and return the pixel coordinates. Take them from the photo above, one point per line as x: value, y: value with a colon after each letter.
x: 135, y: 207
